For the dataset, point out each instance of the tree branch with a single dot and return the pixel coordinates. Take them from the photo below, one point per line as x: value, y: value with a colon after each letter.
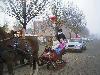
x: 13, y: 7
x: 39, y: 9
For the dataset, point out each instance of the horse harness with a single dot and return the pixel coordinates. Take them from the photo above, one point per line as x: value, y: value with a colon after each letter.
x: 15, y: 46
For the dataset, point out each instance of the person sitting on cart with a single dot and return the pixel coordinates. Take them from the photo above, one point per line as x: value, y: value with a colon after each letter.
x: 61, y: 38
x: 60, y: 46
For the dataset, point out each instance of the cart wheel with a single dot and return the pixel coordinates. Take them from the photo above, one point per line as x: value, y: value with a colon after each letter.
x: 51, y: 65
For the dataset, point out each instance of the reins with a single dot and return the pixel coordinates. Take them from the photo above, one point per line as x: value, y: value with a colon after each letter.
x: 5, y: 39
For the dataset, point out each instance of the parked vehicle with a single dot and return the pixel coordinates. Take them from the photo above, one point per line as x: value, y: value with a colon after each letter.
x: 76, y: 44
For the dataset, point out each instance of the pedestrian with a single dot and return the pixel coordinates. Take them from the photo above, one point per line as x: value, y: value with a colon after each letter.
x: 60, y: 35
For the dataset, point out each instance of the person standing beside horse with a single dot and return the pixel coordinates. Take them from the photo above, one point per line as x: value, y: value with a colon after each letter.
x: 60, y: 35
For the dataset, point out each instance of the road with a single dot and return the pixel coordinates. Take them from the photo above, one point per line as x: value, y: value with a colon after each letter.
x: 85, y: 63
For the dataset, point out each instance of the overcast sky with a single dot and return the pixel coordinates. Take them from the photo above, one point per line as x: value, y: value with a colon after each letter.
x: 92, y: 11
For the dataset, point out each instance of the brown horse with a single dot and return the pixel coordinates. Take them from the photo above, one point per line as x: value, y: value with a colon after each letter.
x: 26, y: 49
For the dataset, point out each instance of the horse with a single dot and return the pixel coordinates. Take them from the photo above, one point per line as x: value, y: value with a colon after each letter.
x: 9, y: 53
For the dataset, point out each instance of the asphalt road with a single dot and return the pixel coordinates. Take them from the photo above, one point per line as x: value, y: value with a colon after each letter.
x: 85, y: 63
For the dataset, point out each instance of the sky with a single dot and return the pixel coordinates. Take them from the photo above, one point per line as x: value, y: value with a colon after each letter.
x: 89, y: 7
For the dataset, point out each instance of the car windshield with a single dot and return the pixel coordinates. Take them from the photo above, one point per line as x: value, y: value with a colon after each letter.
x: 75, y: 40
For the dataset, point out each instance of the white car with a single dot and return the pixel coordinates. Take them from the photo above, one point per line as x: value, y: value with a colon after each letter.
x: 76, y: 44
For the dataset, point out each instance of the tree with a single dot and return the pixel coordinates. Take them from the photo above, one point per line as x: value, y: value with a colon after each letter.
x: 24, y: 10
x: 84, y: 31
x: 74, y: 18
x: 57, y: 12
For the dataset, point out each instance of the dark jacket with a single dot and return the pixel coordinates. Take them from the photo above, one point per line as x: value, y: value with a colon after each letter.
x: 59, y: 36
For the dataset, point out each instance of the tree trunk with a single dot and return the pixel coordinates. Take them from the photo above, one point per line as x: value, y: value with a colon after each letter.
x: 70, y: 35
x: 76, y: 35
x: 56, y: 29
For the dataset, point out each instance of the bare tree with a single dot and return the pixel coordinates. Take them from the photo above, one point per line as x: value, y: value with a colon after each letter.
x: 74, y: 18
x: 24, y: 10
x: 84, y: 31
x: 57, y: 11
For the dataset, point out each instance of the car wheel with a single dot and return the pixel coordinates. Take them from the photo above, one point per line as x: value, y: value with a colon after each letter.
x: 82, y: 48
x: 85, y: 48
x: 51, y: 65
